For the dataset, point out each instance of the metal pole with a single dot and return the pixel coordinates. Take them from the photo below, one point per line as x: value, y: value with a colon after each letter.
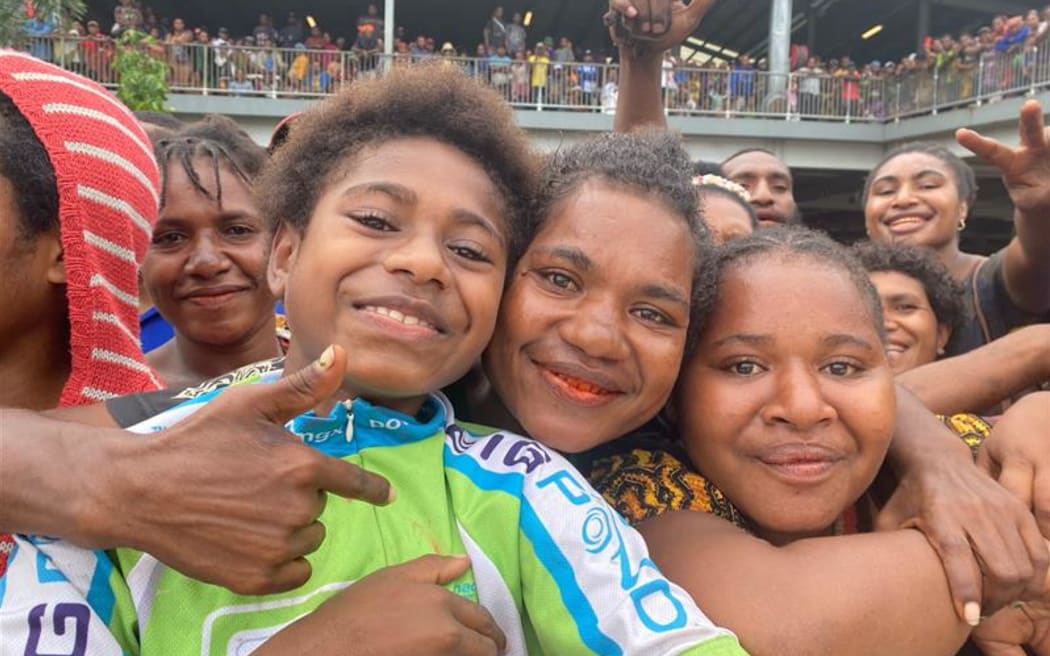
x: 388, y: 30
x: 924, y: 25
x: 779, y: 48
x: 811, y: 28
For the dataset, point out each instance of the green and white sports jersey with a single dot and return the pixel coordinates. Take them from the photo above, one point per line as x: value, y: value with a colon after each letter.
x: 557, y: 568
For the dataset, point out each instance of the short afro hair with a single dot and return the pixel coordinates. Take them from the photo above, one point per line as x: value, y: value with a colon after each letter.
x: 965, y: 179
x: 651, y: 162
x: 432, y: 100
x: 792, y: 242
x: 946, y: 295
x: 25, y: 163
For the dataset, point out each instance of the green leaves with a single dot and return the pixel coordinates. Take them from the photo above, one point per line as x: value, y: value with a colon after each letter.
x: 13, y: 17
x: 142, y: 72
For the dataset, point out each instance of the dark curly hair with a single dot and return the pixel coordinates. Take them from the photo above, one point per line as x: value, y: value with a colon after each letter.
x: 965, y: 179
x: 25, y: 163
x: 217, y: 138
x: 946, y: 295
x: 793, y: 241
x: 433, y: 101
x: 651, y: 162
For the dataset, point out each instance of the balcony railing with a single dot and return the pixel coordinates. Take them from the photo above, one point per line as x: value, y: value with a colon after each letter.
x: 579, y: 86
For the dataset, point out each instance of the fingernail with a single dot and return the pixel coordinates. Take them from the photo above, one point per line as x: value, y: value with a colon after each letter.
x: 645, y: 27
x: 972, y: 613
x: 391, y: 496
x: 326, y: 358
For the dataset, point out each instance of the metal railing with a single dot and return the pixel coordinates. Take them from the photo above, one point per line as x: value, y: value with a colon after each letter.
x: 544, y: 85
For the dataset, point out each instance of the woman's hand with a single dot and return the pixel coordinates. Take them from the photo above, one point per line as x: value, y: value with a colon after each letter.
x: 1026, y: 168
x: 652, y: 26
x: 1008, y: 631
x: 974, y: 525
x: 228, y: 496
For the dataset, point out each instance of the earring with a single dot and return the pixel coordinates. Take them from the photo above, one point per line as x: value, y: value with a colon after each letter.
x: 962, y: 225
x: 940, y: 352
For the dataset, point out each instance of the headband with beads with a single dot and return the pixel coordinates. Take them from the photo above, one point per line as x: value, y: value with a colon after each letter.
x: 711, y: 180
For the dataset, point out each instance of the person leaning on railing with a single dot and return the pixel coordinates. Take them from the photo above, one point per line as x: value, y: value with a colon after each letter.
x: 970, y: 68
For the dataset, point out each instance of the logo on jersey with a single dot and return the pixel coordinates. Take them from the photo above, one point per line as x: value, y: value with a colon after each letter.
x: 7, y: 547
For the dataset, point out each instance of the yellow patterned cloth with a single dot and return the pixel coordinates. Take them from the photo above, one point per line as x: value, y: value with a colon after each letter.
x: 642, y: 483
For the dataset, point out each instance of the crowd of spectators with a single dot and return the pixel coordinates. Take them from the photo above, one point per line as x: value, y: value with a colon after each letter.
x: 302, y: 57
x: 1007, y: 56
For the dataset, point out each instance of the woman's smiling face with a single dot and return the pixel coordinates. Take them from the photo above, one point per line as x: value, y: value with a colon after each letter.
x: 593, y: 325
x: 205, y: 269
x: 914, y: 336
x: 788, y: 403
x: 914, y: 198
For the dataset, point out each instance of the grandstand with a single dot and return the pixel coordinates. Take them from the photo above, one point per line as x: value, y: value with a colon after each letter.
x: 830, y: 145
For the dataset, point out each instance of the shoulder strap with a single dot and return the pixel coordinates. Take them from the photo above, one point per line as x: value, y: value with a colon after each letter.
x: 981, y: 318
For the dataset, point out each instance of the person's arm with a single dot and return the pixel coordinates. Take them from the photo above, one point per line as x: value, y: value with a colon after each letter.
x: 985, y: 376
x: 971, y: 521
x: 1026, y: 175
x: 638, y: 104
x: 643, y: 31
x: 49, y: 474
x: 877, y: 594
x: 226, y: 496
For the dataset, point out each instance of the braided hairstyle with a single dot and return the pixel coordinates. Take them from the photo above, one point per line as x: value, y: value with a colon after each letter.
x: 219, y: 139
x: 794, y: 242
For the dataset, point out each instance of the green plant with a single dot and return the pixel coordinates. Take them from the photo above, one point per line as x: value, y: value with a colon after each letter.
x: 14, y: 14
x: 142, y: 78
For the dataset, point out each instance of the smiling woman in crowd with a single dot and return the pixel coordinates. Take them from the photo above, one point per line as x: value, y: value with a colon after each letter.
x: 205, y: 269
x: 922, y: 305
x: 922, y: 194
x: 780, y: 423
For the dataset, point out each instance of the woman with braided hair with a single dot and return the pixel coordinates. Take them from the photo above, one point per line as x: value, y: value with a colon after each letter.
x: 206, y: 265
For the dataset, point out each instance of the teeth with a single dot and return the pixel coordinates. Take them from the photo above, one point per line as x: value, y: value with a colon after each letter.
x: 407, y: 319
